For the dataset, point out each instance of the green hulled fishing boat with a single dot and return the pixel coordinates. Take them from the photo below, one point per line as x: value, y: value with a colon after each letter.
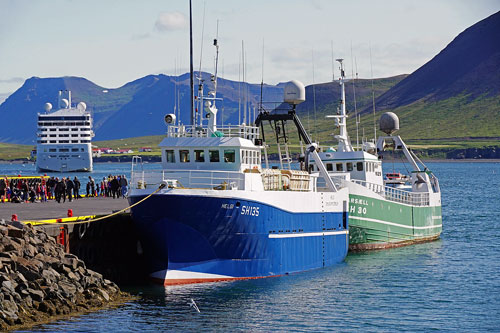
x: 384, y: 210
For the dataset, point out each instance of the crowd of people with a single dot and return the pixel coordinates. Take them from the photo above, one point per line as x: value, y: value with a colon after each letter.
x: 42, y: 189
x: 111, y: 186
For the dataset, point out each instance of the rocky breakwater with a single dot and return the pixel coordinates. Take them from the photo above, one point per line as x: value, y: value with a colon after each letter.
x: 40, y: 282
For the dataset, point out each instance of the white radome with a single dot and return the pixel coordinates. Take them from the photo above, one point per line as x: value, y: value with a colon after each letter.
x: 81, y: 106
x: 47, y: 107
x: 294, y: 92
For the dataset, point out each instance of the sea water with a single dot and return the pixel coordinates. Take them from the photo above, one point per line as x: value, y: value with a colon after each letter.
x: 452, y: 284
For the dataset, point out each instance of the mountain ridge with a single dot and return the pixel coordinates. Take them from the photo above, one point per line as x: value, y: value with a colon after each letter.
x: 468, y: 64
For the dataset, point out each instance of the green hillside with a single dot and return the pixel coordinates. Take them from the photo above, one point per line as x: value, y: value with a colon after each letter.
x: 14, y: 152
x: 131, y: 143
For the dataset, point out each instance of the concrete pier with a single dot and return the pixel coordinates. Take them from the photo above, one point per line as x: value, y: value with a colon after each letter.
x: 53, y: 210
x: 109, y: 246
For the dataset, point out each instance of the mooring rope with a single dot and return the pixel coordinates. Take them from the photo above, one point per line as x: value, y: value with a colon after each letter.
x: 107, y: 216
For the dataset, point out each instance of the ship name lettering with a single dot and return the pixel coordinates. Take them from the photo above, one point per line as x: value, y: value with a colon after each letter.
x: 250, y: 210
x: 359, y: 211
x: 227, y: 206
x: 359, y: 201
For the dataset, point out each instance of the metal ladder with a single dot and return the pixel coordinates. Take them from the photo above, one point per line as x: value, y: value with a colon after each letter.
x: 282, y: 139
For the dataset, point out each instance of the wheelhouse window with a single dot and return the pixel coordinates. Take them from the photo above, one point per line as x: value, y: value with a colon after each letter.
x: 340, y: 167
x: 170, y: 156
x: 359, y: 166
x: 184, y: 156
x: 229, y: 156
x: 349, y: 166
x: 199, y: 156
x: 329, y: 167
x: 213, y: 155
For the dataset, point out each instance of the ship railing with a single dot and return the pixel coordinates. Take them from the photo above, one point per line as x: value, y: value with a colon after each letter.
x: 203, y: 179
x: 395, y: 194
x: 238, y: 131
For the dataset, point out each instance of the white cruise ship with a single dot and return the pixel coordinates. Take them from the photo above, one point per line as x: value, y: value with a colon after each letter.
x: 63, y: 137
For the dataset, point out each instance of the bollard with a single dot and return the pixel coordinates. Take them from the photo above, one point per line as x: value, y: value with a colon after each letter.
x: 70, y: 212
x: 14, y: 217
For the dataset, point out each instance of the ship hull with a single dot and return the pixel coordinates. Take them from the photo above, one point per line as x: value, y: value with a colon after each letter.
x: 74, y: 158
x: 206, y: 238
x: 376, y: 223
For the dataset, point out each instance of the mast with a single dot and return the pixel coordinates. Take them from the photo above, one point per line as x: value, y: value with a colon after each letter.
x: 373, y: 100
x: 315, y: 132
x: 262, y: 80
x: 354, y: 96
x: 191, y: 62
x: 209, y: 101
x: 342, y: 137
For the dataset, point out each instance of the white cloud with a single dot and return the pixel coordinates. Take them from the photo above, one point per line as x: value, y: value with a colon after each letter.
x: 171, y: 21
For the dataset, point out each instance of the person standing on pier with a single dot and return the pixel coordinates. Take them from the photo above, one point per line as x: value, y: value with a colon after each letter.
x: 25, y: 190
x: 123, y: 184
x: 57, y: 190
x: 76, y: 189
x: 43, y: 192
x: 69, y: 189
x: 92, y: 186
x: 115, y: 185
x: 51, y: 183
x: 3, y: 188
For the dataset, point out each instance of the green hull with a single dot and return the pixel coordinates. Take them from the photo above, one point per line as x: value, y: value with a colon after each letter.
x: 377, y: 224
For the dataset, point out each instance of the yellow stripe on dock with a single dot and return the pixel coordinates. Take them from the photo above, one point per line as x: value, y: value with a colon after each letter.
x: 62, y: 220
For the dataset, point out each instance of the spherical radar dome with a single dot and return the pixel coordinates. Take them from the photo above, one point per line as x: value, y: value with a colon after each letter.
x: 81, y: 106
x: 389, y: 123
x: 47, y: 107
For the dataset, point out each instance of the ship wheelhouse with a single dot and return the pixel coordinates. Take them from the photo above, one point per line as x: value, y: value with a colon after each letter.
x: 228, y: 154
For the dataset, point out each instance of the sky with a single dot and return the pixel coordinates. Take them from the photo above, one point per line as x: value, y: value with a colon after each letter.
x: 112, y: 42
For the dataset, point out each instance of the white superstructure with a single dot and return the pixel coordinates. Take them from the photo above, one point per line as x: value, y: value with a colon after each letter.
x: 64, y: 137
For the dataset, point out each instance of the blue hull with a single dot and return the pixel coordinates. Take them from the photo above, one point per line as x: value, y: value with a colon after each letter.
x: 189, y: 239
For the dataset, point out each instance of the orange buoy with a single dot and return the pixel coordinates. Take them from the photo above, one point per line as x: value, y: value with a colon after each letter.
x: 14, y: 217
x: 70, y: 212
